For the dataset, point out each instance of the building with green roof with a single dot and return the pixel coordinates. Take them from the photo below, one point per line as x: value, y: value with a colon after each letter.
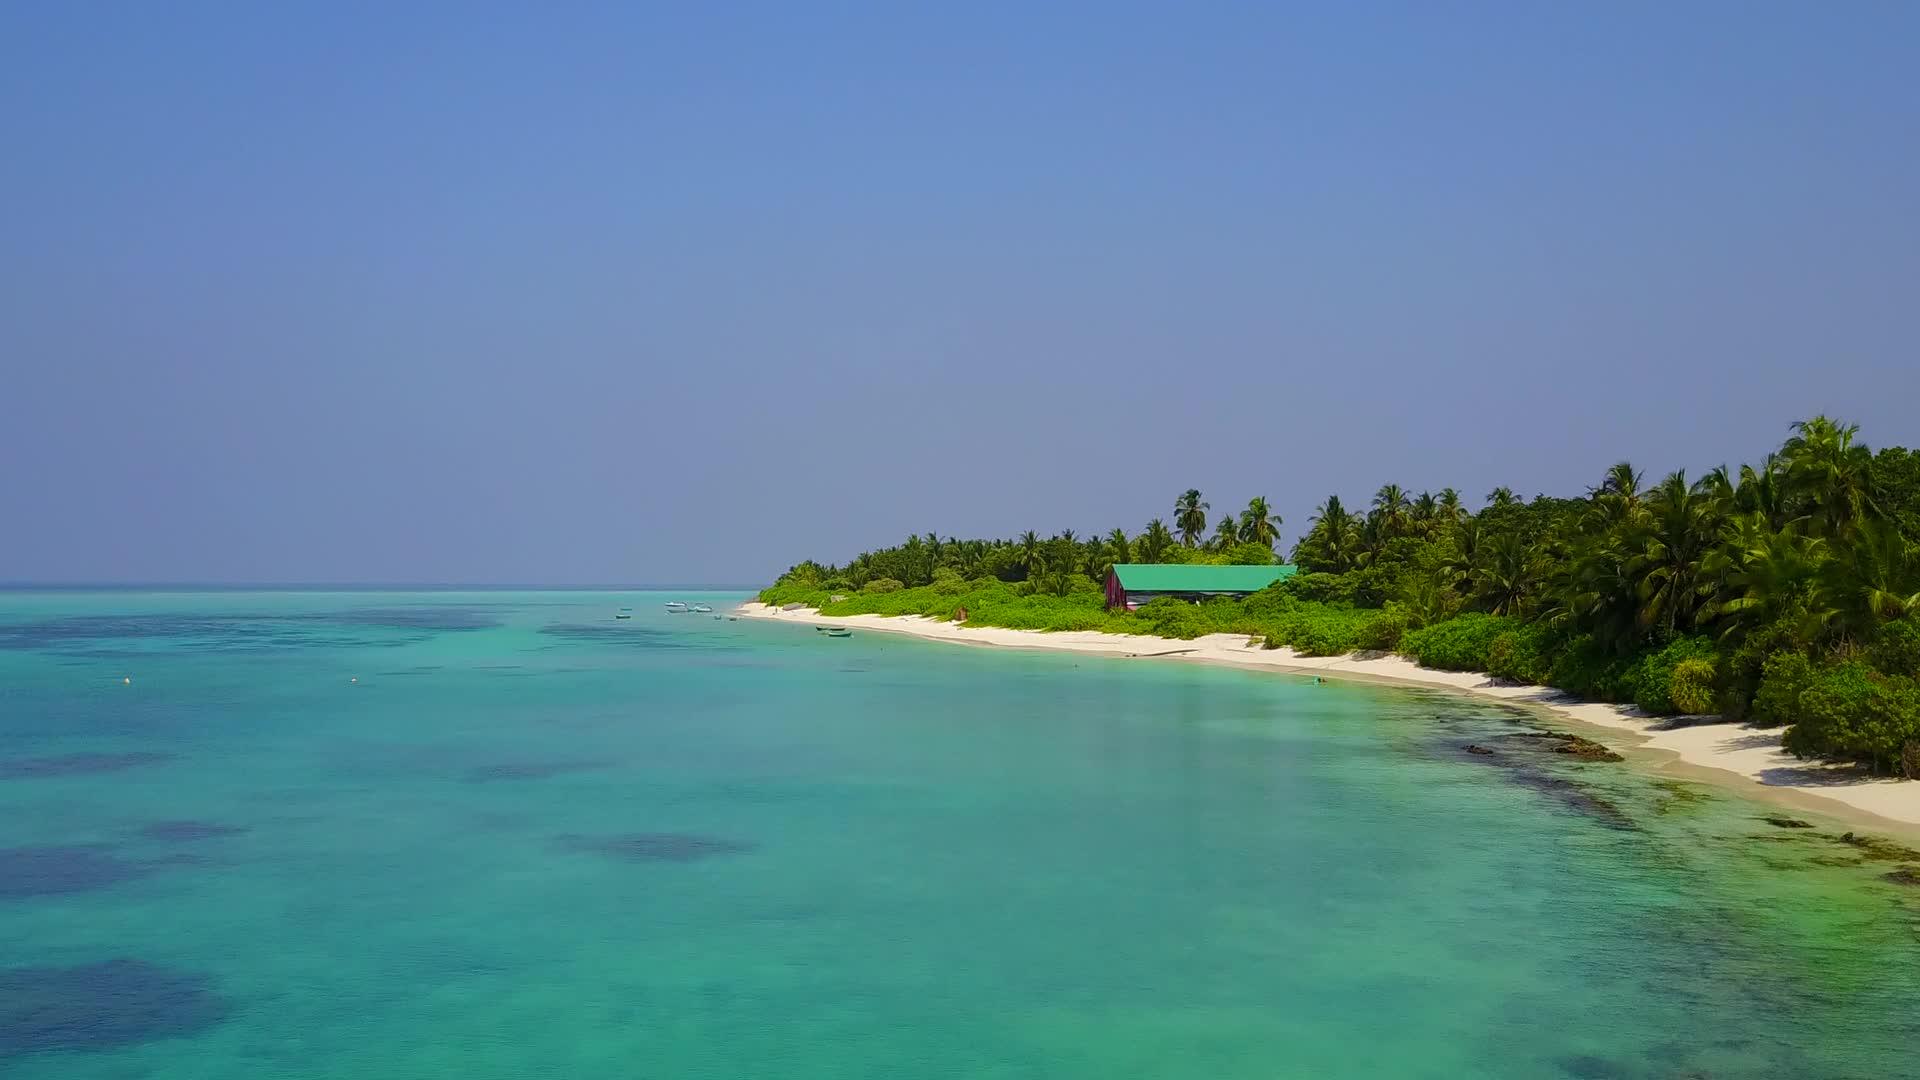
x: 1131, y: 584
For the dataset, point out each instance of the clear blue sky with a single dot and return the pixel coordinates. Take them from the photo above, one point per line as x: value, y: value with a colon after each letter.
x: 590, y: 293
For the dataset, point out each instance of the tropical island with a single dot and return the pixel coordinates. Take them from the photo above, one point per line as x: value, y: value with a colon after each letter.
x: 1783, y: 595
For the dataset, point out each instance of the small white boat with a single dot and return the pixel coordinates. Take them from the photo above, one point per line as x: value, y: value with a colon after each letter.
x: 702, y: 609
x: 624, y: 613
x: 676, y: 607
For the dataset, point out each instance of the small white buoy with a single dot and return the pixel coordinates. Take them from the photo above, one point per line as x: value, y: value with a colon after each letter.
x: 128, y: 680
x: 356, y: 678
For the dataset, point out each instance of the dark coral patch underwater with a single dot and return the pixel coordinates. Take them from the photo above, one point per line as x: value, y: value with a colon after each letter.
x: 74, y: 764
x: 51, y: 871
x: 530, y: 770
x: 652, y: 847
x: 115, y: 636
x: 102, y: 1006
x: 1519, y: 763
x: 182, y: 831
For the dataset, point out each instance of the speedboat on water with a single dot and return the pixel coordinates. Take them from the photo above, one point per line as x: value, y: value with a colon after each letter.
x: 702, y: 609
x: 675, y: 607
x: 624, y: 613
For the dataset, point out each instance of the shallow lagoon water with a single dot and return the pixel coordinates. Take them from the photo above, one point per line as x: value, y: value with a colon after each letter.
x: 501, y: 834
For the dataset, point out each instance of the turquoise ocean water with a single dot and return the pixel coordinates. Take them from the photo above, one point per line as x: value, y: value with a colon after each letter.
x: 492, y: 835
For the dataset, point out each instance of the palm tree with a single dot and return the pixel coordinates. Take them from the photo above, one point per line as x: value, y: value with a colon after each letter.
x: 914, y: 568
x: 1508, y: 577
x: 1430, y: 597
x: 1226, y: 535
x: 1190, y: 517
x: 1390, y: 510
x: 1827, y: 474
x: 1622, y: 480
x: 1118, y: 549
x: 1762, y: 575
x: 1761, y: 491
x: 1589, y: 589
x: 1679, y: 531
x: 1616, y: 498
x: 1463, y: 554
x: 1153, y: 543
x: 970, y: 558
x: 1331, y: 542
x: 1258, y: 523
x: 1501, y: 496
x: 1872, y: 578
x: 1718, y: 486
x: 1426, y: 509
x: 1030, y: 552
x: 1370, y: 539
x: 1063, y: 552
x: 1452, y: 511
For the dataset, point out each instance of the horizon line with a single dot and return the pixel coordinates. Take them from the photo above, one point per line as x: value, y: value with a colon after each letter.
x: 391, y: 586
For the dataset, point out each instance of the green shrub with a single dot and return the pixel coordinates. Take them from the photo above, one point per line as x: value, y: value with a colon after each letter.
x: 1458, y: 644
x: 1649, y: 683
x: 1784, y: 677
x: 1173, y: 618
x: 1272, y: 602
x: 780, y: 595
x: 1585, y: 668
x: 1521, y: 654
x: 1325, y: 637
x: 1321, y: 588
x: 1382, y: 632
x: 1374, y: 585
x: 1896, y: 648
x: 1851, y: 712
x: 1311, y: 629
x: 1249, y: 555
x: 883, y: 585
x: 1580, y: 666
x: 1691, y: 687
x: 1742, y: 669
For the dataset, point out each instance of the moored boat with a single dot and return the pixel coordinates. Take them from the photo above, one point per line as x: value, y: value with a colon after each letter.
x: 702, y: 609
x: 834, y: 631
x: 676, y: 607
x: 624, y: 613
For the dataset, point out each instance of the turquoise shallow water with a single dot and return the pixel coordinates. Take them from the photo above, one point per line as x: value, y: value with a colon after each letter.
x: 504, y: 835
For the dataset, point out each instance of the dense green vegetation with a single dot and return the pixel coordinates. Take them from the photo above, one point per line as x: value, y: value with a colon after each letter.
x: 1786, y: 593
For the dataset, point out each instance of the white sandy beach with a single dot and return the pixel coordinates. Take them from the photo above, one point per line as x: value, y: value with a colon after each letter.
x: 1746, y: 757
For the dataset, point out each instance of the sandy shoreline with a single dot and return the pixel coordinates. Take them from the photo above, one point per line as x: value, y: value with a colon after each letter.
x: 1748, y: 758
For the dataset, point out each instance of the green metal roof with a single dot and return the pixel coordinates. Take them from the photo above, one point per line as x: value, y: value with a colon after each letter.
x: 1178, y: 577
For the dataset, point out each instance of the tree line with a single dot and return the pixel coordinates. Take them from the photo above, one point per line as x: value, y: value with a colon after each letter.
x: 1785, y: 592
x: 1064, y: 561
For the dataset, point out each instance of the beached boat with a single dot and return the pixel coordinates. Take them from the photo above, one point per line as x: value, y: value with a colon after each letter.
x: 676, y: 607
x: 834, y: 631
x: 624, y: 613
